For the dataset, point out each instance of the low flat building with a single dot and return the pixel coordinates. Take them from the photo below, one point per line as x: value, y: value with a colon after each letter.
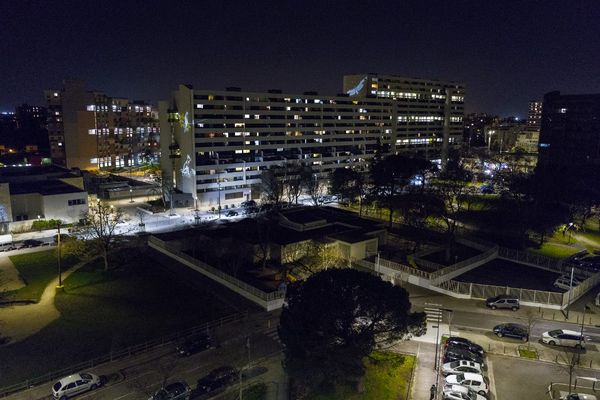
x: 35, y: 193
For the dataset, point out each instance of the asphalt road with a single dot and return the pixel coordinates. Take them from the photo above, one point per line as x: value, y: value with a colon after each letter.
x: 139, y: 381
x: 474, y: 321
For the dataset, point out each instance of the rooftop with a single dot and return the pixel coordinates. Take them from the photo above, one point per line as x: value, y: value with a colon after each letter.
x: 45, y: 188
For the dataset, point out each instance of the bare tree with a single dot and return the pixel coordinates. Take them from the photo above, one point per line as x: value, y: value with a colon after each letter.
x: 567, y: 361
x: 100, y: 228
x: 313, y: 186
x: 292, y: 182
x: 164, y: 368
x: 530, y: 319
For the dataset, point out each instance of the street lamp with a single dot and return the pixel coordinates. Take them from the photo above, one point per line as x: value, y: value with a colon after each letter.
x: 60, y: 284
x: 130, y: 194
x: 570, y: 290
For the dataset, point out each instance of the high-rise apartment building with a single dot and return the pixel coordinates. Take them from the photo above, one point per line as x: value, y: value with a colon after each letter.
x: 219, y: 142
x: 90, y: 130
x: 428, y: 114
x: 570, y: 132
x: 534, y: 115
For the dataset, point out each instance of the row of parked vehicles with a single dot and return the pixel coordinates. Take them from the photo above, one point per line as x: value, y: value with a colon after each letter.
x: 463, y: 370
x: 217, y: 379
x: 25, y: 244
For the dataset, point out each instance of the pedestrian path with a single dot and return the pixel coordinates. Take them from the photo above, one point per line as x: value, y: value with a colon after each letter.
x: 20, y: 321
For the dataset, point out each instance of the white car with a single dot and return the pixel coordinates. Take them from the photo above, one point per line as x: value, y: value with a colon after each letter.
x: 459, y: 392
x: 564, y: 337
x: 75, y: 384
x: 470, y: 380
x: 457, y: 367
x: 564, y: 282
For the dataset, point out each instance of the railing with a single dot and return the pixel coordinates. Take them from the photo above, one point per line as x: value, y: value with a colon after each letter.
x: 218, y: 273
x: 445, y: 271
x: 122, y: 353
x: 580, y: 289
x: 480, y: 291
x: 394, y: 266
x: 531, y: 258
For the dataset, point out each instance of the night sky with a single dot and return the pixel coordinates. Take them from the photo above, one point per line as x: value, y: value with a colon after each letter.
x: 506, y: 52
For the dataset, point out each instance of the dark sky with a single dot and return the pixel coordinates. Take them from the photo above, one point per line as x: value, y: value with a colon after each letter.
x: 506, y: 52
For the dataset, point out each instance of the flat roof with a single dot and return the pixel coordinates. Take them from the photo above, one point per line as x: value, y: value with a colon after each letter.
x: 45, y: 187
x: 33, y: 170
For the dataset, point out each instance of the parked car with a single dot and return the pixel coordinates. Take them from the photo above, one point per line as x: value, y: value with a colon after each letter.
x: 579, y: 396
x: 195, y: 344
x: 564, y: 282
x: 503, y: 301
x: 75, y: 384
x: 173, y: 391
x: 457, y: 367
x: 32, y: 243
x: 459, y: 392
x: 563, y: 337
x: 217, y: 379
x: 517, y: 331
x: 462, y: 342
x: 231, y: 213
x: 470, y: 380
x: 454, y: 353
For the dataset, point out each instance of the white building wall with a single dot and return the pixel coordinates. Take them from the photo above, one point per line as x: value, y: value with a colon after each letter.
x: 57, y: 206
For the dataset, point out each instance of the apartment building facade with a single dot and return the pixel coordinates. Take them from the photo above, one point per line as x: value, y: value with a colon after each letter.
x: 428, y: 115
x: 570, y: 130
x: 90, y: 130
x: 219, y: 142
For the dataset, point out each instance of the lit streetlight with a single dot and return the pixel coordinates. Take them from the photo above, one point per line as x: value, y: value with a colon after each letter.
x: 60, y: 285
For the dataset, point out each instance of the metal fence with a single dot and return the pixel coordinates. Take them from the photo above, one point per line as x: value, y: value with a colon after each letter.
x: 241, y: 285
x: 403, y: 269
x: 121, y: 353
x: 580, y: 289
x: 480, y: 291
x: 534, y: 259
x: 490, y: 253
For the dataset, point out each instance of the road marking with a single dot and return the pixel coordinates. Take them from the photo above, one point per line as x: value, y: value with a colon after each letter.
x: 492, y: 380
x: 125, y: 395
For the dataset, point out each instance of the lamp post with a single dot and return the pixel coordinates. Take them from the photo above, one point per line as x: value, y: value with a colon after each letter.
x: 130, y: 194
x: 60, y: 284
x: 570, y: 290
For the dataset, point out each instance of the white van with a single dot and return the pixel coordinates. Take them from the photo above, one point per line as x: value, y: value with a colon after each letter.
x: 75, y: 384
x: 564, y: 282
x: 563, y: 337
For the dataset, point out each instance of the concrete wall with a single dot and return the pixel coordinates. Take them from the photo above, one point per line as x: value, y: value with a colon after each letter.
x: 57, y: 206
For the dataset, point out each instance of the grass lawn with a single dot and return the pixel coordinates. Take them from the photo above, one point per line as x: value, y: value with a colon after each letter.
x: 37, y: 270
x: 555, y: 250
x: 525, y: 353
x: 134, y: 303
x: 388, y: 377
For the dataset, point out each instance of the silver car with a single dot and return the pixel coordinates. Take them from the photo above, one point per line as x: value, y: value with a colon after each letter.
x: 75, y: 384
x: 456, y: 367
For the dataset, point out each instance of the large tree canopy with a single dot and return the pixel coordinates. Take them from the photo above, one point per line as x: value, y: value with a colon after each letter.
x: 335, y: 318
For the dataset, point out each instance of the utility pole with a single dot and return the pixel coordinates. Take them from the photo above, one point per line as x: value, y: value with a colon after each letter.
x: 60, y: 284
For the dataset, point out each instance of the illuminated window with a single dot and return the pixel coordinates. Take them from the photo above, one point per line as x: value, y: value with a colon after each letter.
x: 211, y: 97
